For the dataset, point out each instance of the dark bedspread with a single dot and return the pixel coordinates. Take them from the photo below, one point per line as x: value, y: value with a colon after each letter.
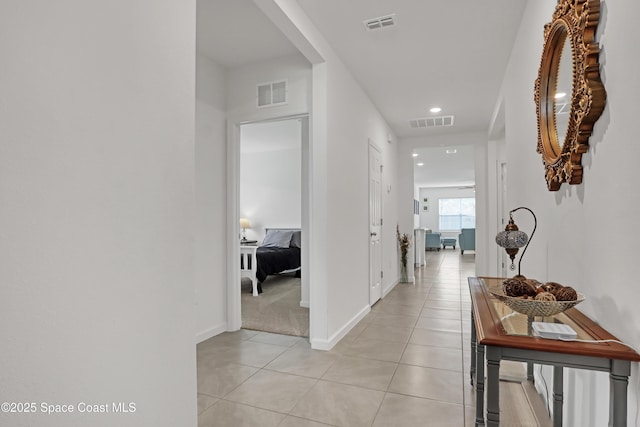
x: 273, y: 260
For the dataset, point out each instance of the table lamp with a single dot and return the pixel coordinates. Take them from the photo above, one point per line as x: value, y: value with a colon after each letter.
x: 512, y: 239
x: 244, y: 223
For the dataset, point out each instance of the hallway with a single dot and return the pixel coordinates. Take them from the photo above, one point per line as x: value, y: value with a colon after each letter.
x: 405, y: 364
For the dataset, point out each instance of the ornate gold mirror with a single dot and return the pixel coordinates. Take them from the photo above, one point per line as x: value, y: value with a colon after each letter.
x: 569, y: 95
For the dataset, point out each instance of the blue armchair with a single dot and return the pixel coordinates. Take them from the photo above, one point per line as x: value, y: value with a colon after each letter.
x: 467, y: 239
x: 432, y: 241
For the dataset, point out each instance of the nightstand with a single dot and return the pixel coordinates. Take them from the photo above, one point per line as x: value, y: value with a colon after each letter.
x: 249, y: 264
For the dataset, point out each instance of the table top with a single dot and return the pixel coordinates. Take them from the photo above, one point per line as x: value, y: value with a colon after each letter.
x: 498, y: 325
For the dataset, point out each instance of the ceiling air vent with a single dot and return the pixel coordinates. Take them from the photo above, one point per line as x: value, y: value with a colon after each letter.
x: 380, y: 22
x: 431, y: 122
x: 272, y: 93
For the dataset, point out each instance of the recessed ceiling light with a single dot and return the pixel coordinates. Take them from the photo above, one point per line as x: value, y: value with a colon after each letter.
x: 560, y: 95
x: 435, y: 109
x: 420, y: 164
x: 415, y: 154
x: 451, y: 151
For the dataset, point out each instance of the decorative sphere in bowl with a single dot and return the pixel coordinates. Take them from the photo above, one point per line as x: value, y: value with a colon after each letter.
x: 534, y: 307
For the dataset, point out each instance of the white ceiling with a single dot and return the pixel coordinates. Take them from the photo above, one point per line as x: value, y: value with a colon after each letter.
x: 444, y: 170
x: 236, y: 32
x: 445, y: 53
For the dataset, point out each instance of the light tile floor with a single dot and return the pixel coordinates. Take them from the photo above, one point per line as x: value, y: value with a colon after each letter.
x: 405, y: 364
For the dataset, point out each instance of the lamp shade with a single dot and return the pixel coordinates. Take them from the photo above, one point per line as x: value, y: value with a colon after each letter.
x: 512, y: 239
x: 244, y: 223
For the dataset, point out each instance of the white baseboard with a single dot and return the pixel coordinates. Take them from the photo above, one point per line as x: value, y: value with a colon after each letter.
x: 304, y: 304
x: 538, y: 381
x: 385, y: 291
x: 211, y: 332
x: 321, y: 344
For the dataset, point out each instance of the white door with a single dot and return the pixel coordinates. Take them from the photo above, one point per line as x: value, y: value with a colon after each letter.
x: 375, y: 225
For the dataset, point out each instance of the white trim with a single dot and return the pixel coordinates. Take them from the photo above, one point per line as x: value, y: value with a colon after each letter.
x: 320, y: 344
x: 385, y: 291
x: 211, y: 332
x: 317, y: 213
x: 234, y: 305
x: 234, y: 313
x: 375, y: 147
x: 538, y: 381
x: 305, y: 250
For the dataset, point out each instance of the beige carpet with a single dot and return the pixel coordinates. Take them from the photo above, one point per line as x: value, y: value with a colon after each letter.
x: 277, y: 309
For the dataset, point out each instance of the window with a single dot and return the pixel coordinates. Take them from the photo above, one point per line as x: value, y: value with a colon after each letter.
x: 456, y: 214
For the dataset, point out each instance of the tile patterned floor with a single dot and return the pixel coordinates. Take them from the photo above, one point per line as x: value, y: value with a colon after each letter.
x: 405, y: 364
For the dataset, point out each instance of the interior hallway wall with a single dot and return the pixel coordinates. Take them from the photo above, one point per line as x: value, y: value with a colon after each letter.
x: 97, y: 110
x: 564, y: 248
x: 211, y: 193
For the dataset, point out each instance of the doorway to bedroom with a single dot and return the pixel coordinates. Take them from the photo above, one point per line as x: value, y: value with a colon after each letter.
x: 272, y: 159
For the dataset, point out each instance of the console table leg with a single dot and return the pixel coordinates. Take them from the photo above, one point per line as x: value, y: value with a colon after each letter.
x: 530, y: 364
x: 480, y: 386
x: 493, y: 386
x: 558, y: 396
x: 618, y: 382
x: 474, y: 339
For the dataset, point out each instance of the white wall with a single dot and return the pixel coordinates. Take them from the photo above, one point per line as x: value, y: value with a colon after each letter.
x: 210, y: 152
x: 489, y: 185
x: 270, y: 176
x: 97, y: 195
x: 485, y: 232
x: 564, y: 248
x: 242, y: 93
x: 353, y: 122
x: 407, y: 193
x: 270, y: 191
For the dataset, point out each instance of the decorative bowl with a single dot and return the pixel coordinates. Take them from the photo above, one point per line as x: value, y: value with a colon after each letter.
x: 531, y: 307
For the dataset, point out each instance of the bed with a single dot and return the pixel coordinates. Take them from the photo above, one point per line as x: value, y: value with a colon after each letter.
x: 278, y: 253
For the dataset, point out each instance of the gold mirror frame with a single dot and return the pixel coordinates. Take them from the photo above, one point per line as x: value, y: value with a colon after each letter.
x: 574, y: 22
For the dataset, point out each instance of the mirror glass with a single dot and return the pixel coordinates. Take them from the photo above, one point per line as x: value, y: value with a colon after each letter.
x: 562, y: 96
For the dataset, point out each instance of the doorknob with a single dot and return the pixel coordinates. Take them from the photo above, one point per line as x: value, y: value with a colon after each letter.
x: 374, y: 233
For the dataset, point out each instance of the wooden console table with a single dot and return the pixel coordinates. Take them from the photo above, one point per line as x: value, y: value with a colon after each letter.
x: 502, y: 334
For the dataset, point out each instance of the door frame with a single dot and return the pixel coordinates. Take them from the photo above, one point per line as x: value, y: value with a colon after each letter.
x: 234, y: 306
x: 373, y: 146
x: 503, y: 260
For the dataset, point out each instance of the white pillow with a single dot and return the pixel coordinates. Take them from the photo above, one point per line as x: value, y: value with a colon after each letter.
x: 296, y: 239
x: 277, y: 238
